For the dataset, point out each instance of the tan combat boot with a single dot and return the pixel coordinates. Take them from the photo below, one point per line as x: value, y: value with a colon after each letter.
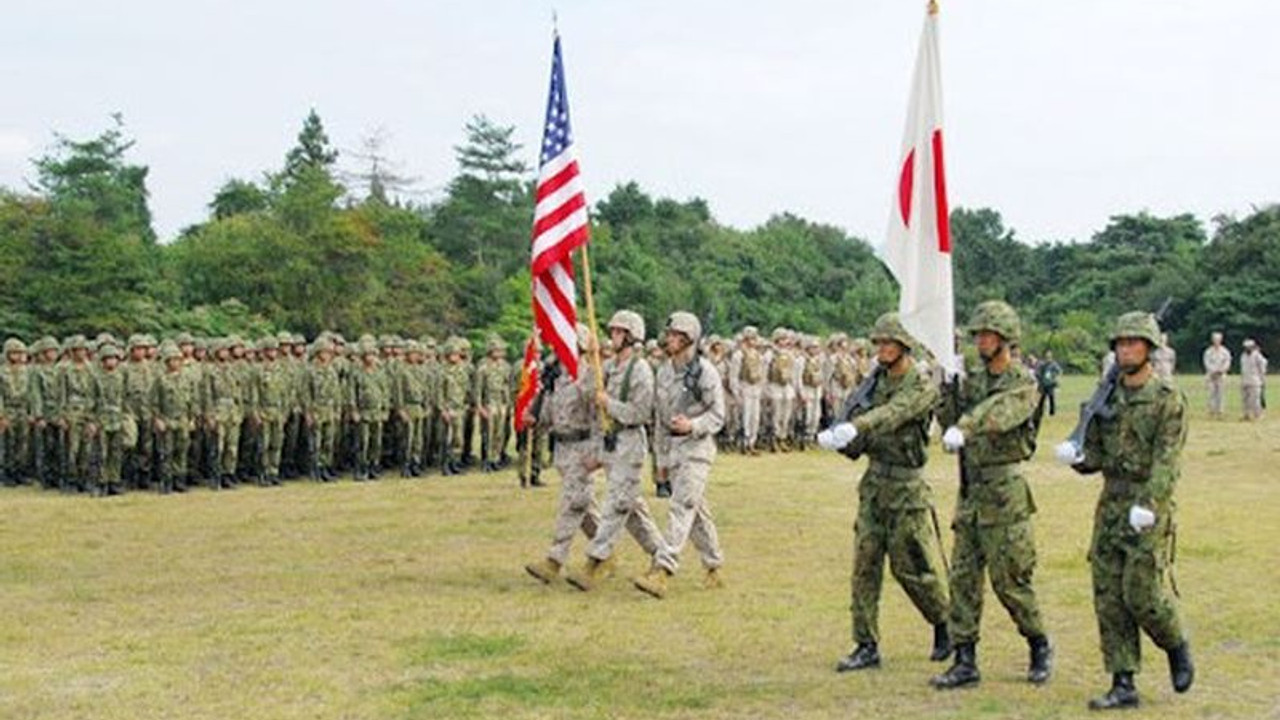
x: 546, y: 570
x: 713, y: 580
x: 653, y: 582
x: 586, y: 578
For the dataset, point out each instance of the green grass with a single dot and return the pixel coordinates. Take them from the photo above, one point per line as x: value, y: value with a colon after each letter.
x: 407, y: 599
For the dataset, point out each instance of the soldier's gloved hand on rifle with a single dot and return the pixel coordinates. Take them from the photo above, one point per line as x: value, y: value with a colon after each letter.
x: 837, y: 436
x: 1068, y: 454
x: 952, y: 439
x: 1141, y: 518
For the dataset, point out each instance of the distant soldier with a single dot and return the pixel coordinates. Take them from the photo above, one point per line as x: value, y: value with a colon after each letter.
x: 139, y: 375
x: 992, y: 418
x: 1165, y: 359
x: 1217, y: 365
x: 781, y: 389
x: 112, y: 429
x: 454, y: 406
x: 811, y: 385
x: 688, y: 411
x: 717, y: 353
x: 275, y: 396
x: 843, y: 373
x: 322, y: 403
x: 567, y: 410
x: 1137, y: 448
x: 493, y: 386
x: 1253, y: 378
x: 223, y: 415
x: 1048, y: 375
x: 746, y: 381
x: 895, y: 504
x: 369, y: 403
x: 45, y: 438
x: 627, y: 398
x: 75, y: 407
x: 174, y: 404
x: 17, y: 425
x: 467, y: 372
x: 412, y: 393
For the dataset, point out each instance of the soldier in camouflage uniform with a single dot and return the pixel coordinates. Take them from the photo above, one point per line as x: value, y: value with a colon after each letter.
x: 322, y: 403
x: 493, y: 396
x: 811, y: 384
x: 746, y: 382
x: 75, y: 407
x: 688, y: 411
x: 1137, y: 449
x: 223, y: 415
x: 1217, y: 366
x: 139, y: 376
x: 45, y: 438
x: 781, y: 389
x: 895, y: 504
x: 627, y: 397
x: 112, y: 428
x: 454, y: 391
x: 843, y: 374
x: 993, y: 417
x: 275, y: 400
x: 467, y: 370
x: 369, y: 402
x: 717, y: 353
x: 412, y: 393
x: 567, y: 409
x: 174, y: 404
x: 16, y: 421
x: 429, y: 371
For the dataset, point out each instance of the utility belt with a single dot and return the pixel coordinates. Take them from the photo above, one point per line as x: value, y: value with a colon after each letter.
x: 896, y: 472
x: 989, y: 473
x: 571, y: 436
x: 611, y: 437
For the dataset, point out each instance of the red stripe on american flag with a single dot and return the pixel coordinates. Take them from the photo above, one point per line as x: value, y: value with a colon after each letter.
x: 557, y: 181
x: 560, y: 250
x: 555, y: 217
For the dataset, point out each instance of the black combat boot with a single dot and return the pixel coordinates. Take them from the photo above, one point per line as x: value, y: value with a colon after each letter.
x: 1041, y: 659
x: 1121, y: 695
x: 941, y: 643
x: 1181, y: 670
x: 536, y: 479
x: 664, y: 489
x: 963, y: 671
x: 864, y: 657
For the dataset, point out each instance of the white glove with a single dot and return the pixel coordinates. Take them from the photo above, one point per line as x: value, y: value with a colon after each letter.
x: 952, y: 439
x: 1141, y: 518
x: 826, y: 440
x: 844, y: 433
x: 1068, y: 454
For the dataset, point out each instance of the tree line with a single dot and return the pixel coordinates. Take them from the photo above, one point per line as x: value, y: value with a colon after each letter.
x: 310, y: 246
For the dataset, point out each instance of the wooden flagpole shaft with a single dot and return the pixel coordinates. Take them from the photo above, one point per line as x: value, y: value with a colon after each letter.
x: 606, y: 422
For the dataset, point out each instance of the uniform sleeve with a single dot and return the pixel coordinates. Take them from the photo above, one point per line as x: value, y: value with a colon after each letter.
x: 639, y: 405
x: 915, y: 398
x: 1170, y: 435
x: 1001, y: 412
x: 711, y: 420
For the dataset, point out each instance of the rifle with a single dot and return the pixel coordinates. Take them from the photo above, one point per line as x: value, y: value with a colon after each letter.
x: 857, y: 403
x: 1099, y: 404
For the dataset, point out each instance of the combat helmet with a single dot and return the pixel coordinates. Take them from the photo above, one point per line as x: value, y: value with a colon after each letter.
x: 14, y: 345
x: 495, y: 342
x: 1136, y: 324
x: 108, y: 351
x: 630, y: 321
x: 999, y: 317
x: 889, y: 327
x: 687, y: 324
x: 169, y: 350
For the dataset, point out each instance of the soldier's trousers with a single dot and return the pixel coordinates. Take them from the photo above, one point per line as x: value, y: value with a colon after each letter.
x: 110, y: 448
x: 75, y: 460
x: 370, y: 439
x: 751, y: 414
x: 17, y: 446
x: 577, y: 509
x: 292, y: 449
x: 228, y: 444
x: 624, y: 507
x: 1129, y: 594
x: 689, y: 518
x: 1252, y: 399
x: 494, y: 429
x: 173, y: 445
x: 270, y: 444
x: 1217, y: 397
x: 452, y: 440
x: 811, y: 401
x: 1007, y: 553
x: 782, y: 399
x: 732, y: 419
x: 907, y: 537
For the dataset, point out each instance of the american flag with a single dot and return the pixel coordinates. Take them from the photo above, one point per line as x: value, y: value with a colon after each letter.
x: 559, y: 226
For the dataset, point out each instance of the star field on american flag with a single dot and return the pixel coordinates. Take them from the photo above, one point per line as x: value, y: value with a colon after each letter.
x: 556, y: 136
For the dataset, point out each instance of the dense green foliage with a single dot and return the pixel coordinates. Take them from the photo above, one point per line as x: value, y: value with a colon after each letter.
x: 297, y: 250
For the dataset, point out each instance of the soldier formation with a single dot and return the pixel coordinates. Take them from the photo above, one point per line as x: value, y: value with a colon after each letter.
x: 1216, y: 360
x: 104, y: 417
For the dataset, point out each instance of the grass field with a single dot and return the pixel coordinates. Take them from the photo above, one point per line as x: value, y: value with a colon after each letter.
x: 407, y: 600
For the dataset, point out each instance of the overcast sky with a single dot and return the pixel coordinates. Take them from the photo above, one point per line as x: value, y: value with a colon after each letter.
x: 1058, y: 114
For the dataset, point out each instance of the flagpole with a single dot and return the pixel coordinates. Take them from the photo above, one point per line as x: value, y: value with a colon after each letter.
x: 606, y: 423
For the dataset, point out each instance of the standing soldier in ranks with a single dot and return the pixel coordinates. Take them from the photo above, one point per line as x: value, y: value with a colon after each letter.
x: 43, y: 408
x: 430, y: 373
x: 993, y: 418
x: 223, y: 414
x: 627, y: 399
x: 291, y: 451
x: 718, y: 354
x: 243, y: 368
x: 17, y: 422
x: 895, y: 505
x: 783, y: 365
x: 139, y: 376
x: 1137, y: 447
x: 75, y: 405
x: 173, y: 400
x: 389, y: 364
x: 322, y: 403
x: 466, y: 458
x: 454, y: 389
x: 811, y: 384
x: 370, y: 404
x: 566, y: 408
x: 198, y: 367
x: 411, y: 396
x: 112, y: 428
x: 689, y: 411
x: 843, y: 375
x: 493, y: 385
x: 275, y: 399
x: 746, y: 382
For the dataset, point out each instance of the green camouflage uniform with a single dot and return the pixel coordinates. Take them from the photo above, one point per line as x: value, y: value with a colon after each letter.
x: 323, y: 401
x: 222, y: 408
x: 493, y: 397
x: 895, y: 504
x: 275, y: 402
x: 174, y: 402
x: 75, y: 407
x: 139, y: 376
x: 116, y: 428
x: 993, y: 530
x: 15, y: 408
x: 454, y: 391
x: 370, y: 400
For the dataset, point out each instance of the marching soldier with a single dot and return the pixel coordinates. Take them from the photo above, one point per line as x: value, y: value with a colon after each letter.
x: 1137, y: 448
x: 993, y: 417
